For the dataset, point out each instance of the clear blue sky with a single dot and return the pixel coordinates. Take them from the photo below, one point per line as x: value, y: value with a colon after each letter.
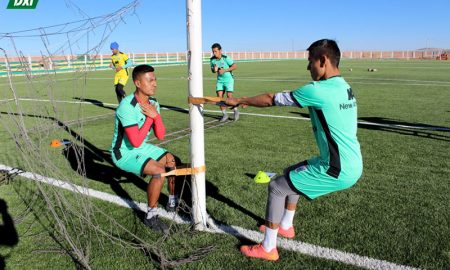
x: 249, y: 25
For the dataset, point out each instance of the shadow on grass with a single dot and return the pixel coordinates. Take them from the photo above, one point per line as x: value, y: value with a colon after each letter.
x: 36, y: 204
x: 168, y: 107
x: 185, y: 111
x: 399, y: 127
x: 213, y: 192
x: 404, y: 128
x: 86, y: 160
x: 90, y: 164
x: 8, y: 233
x: 95, y: 102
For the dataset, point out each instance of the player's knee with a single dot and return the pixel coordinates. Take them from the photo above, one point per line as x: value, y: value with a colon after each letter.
x: 170, y: 160
x: 154, y: 169
x: 274, y: 186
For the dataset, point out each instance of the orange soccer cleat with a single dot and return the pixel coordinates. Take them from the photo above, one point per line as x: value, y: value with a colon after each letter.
x: 289, y: 233
x: 258, y: 251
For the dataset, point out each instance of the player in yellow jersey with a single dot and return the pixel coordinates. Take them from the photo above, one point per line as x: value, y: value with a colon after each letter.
x: 120, y: 63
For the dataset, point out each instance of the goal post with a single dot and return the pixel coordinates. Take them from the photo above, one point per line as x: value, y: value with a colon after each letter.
x: 195, y: 80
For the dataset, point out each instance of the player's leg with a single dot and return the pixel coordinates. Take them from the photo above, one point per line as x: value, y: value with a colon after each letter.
x: 230, y: 90
x: 170, y: 164
x: 219, y: 92
x: 154, y: 188
x: 119, y: 84
x: 280, y: 193
x: 286, y: 228
x: 120, y: 92
x: 148, y: 158
x: 156, y: 183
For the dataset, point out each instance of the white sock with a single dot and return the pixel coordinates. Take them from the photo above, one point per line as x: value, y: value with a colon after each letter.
x: 151, y: 212
x: 235, y: 109
x: 287, y: 219
x: 224, y: 112
x: 270, y: 239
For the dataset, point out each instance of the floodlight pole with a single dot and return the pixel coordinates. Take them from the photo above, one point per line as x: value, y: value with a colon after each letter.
x: 195, y: 77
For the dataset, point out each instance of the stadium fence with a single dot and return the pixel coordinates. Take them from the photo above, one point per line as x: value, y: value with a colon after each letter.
x: 35, y: 65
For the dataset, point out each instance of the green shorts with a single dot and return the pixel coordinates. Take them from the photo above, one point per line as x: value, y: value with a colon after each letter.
x: 134, y: 160
x: 225, y: 86
x: 310, y: 178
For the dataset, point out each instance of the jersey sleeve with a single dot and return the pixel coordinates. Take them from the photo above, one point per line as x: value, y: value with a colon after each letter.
x: 284, y: 99
x: 128, y: 63
x: 125, y: 57
x: 307, y: 96
x: 229, y: 61
x: 125, y: 115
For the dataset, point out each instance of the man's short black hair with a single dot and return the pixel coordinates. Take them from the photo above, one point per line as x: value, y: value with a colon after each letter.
x: 141, y: 69
x: 216, y: 45
x: 326, y: 47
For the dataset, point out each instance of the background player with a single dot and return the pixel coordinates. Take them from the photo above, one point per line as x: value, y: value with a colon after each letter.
x: 223, y: 65
x: 120, y: 63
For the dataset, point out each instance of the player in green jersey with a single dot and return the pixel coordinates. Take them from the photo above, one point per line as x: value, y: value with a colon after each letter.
x: 223, y: 65
x: 333, y: 110
x: 137, y: 117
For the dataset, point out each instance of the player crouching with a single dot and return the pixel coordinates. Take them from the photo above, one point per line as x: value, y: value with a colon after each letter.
x: 137, y: 117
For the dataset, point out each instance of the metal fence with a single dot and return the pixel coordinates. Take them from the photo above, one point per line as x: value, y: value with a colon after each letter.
x: 70, y: 63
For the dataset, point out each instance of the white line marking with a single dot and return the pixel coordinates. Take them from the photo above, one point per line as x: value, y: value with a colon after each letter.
x: 297, y: 246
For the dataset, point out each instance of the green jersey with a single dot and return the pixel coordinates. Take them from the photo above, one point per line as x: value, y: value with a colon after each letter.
x: 128, y: 114
x: 333, y: 111
x: 223, y: 63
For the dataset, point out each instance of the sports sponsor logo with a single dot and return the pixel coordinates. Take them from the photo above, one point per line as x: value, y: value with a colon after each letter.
x: 351, y: 96
x: 345, y: 106
x: 22, y: 4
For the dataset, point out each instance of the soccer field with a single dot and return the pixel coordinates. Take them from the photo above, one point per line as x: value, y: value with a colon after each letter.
x: 398, y: 212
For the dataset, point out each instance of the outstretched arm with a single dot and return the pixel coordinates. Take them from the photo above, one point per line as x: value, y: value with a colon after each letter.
x: 264, y: 100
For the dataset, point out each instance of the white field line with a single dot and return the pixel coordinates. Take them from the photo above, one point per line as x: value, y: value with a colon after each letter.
x: 253, y: 114
x: 297, y: 246
x: 90, y: 192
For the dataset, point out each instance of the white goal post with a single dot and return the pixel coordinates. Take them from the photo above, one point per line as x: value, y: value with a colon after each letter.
x: 195, y: 78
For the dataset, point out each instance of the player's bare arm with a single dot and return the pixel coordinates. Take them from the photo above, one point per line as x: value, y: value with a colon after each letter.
x: 264, y: 100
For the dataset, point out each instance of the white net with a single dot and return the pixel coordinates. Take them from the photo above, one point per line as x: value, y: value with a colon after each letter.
x: 43, y: 99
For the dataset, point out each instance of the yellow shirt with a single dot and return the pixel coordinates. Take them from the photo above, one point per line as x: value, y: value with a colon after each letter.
x: 119, y: 60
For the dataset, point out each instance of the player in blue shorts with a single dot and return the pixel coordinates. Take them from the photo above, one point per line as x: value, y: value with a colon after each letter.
x: 333, y: 110
x: 137, y: 117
